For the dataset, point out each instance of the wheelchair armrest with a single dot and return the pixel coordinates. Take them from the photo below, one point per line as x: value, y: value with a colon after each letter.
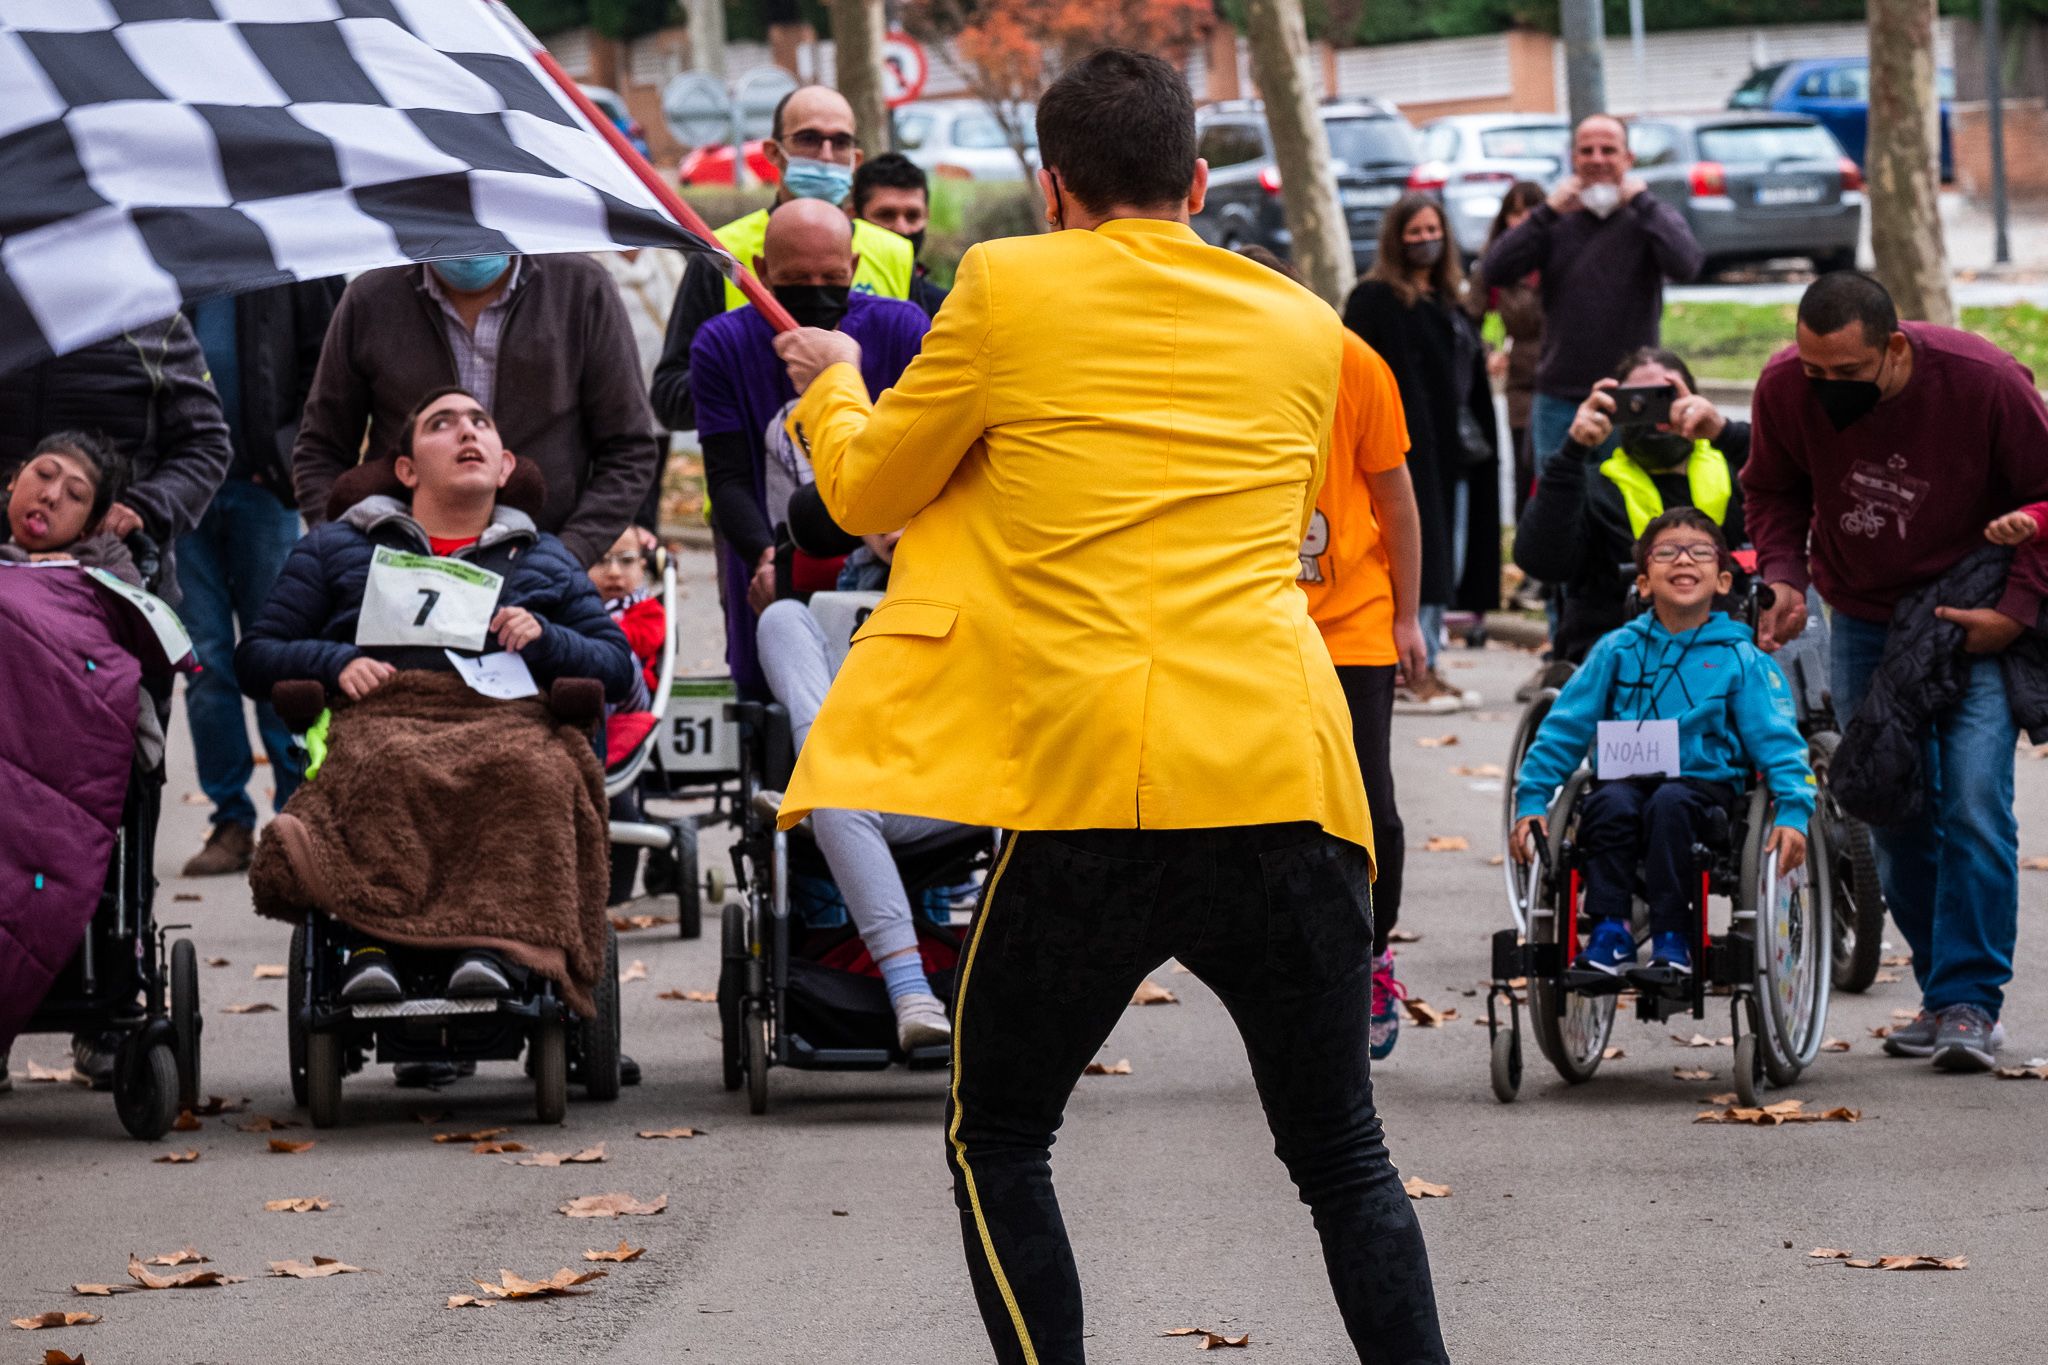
x: 577, y: 701
x: 298, y: 703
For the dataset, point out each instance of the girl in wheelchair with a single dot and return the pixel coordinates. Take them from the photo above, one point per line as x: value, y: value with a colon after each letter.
x: 1678, y: 707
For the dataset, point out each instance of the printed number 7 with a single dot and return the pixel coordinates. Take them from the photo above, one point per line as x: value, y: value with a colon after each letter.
x: 432, y: 595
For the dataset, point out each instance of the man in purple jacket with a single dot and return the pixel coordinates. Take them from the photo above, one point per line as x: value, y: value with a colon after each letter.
x: 1603, y: 246
x: 1882, y: 450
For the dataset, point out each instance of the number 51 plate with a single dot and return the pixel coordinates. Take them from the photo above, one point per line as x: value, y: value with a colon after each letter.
x: 696, y: 736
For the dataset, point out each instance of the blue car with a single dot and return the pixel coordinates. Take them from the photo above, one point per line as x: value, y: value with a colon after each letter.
x: 1835, y: 92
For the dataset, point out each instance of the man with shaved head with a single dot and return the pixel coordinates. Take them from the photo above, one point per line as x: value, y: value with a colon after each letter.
x: 809, y: 254
x: 811, y: 146
x: 1602, y: 246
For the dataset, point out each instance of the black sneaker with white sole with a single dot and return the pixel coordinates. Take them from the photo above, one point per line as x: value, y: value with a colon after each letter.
x: 1915, y: 1039
x: 1968, y: 1040
x: 478, y: 976
x: 369, y: 980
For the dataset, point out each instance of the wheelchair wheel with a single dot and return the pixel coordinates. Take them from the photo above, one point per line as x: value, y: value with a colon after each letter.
x: 599, y: 1037
x: 1852, y: 873
x: 1521, y: 881
x: 757, y: 1061
x: 185, y: 1020
x: 323, y: 1078
x: 689, y: 884
x: 295, y: 1006
x: 1571, y: 1029
x: 550, y: 1072
x: 1792, y: 920
x: 145, y: 1088
x: 1506, y: 1066
x: 1749, y: 1072
x: 732, y: 986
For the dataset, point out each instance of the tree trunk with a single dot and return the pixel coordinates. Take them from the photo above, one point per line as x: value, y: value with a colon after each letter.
x: 1903, y: 159
x: 1308, y: 187
x: 858, y: 30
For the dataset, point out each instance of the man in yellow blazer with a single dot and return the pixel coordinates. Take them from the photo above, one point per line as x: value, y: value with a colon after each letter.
x: 1103, y: 463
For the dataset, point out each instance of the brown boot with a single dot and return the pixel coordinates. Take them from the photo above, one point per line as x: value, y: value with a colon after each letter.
x: 227, y: 851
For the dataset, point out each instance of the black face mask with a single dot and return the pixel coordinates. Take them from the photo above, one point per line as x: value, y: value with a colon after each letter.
x: 1845, y: 400
x: 1654, y: 449
x: 916, y: 240
x: 814, y: 305
x: 1425, y: 253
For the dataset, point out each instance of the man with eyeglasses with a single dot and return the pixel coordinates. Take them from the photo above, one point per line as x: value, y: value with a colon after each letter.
x: 811, y: 146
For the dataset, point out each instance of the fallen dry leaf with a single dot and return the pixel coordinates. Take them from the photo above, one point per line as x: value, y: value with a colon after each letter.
x: 1446, y: 843
x: 218, y: 1104
x: 563, y: 1281
x: 2034, y: 864
x: 584, y: 1157
x: 182, y: 1279
x: 1701, y: 1040
x: 195, y: 799
x: 218, y: 962
x: 322, y: 1267
x: 1495, y: 861
x: 636, y: 970
x: 187, y: 1256
x: 1436, y: 741
x: 1612, y: 1053
x: 467, y: 1301
x: 1835, y: 1045
x: 312, y: 1204
x: 264, y: 1123
x: 54, y: 1356
x: 287, y: 1147
x: 694, y: 997
x: 1830, y: 1254
x: 672, y: 1132
x: 1150, y: 992
x: 1121, y: 1067
x: 1427, y: 1015
x: 628, y: 923
x: 1418, y: 1188
x: 38, y: 1072
x: 176, y: 1158
x: 1887, y: 979
x: 1771, y: 1115
x: 183, y: 896
x: 186, y: 1122
x: 102, y: 1291
x: 479, y: 1135
x: 1905, y: 1014
x: 1724, y: 1097
x: 1403, y: 936
x: 1691, y: 1073
x: 249, y: 1007
x: 497, y: 1147
x: 56, y: 1317
x: 1478, y: 770
x: 2022, y: 1073
x: 624, y: 1251
x: 1881, y: 1031
x: 1207, y: 1340
x: 1919, y: 1262
x: 268, y: 971
x: 1896, y: 960
x: 612, y: 1206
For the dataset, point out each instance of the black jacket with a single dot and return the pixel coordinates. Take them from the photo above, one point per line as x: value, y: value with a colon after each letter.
x: 1575, y: 532
x: 278, y: 332
x: 1877, y: 772
x: 308, y: 627
x: 700, y: 298
x: 924, y: 293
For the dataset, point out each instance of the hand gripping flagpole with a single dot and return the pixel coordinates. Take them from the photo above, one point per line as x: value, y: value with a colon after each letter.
x: 743, y: 279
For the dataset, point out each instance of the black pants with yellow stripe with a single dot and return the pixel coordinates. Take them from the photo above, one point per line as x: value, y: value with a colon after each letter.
x: 1276, y: 919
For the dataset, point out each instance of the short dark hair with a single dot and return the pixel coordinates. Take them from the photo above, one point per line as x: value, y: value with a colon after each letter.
x: 1690, y: 518
x: 1265, y: 257
x: 1655, y: 355
x: 419, y: 409
x: 109, y: 468
x: 1118, y: 127
x: 889, y: 171
x: 1841, y: 297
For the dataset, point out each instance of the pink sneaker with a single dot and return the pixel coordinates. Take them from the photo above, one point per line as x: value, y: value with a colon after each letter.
x: 1387, y: 995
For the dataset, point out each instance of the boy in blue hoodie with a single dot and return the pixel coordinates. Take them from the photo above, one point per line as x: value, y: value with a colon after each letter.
x: 1674, y: 708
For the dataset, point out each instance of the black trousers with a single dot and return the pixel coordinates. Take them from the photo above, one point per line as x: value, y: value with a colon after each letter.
x: 1276, y: 919
x: 1369, y: 692
x: 1651, y: 823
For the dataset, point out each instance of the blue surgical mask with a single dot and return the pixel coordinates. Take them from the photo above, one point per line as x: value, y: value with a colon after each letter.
x: 472, y: 273
x: 808, y: 179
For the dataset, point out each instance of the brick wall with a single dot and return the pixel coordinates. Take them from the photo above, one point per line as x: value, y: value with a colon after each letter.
x: 2026, y: 148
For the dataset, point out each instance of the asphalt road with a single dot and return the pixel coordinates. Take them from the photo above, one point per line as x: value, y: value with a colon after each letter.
x: 1594, y: 1223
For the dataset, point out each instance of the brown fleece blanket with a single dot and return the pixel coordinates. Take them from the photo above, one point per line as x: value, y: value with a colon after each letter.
x: 445, y: 819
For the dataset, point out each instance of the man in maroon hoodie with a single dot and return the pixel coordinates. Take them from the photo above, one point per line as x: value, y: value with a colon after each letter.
x: 1882, y: 452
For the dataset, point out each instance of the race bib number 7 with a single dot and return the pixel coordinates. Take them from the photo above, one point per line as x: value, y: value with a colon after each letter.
x: 414, y: 599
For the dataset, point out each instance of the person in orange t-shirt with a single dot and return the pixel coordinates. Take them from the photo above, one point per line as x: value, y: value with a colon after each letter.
x: 1361, y: 566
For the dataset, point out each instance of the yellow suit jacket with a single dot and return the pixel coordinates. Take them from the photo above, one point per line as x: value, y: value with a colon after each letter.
x: 1104, y: 461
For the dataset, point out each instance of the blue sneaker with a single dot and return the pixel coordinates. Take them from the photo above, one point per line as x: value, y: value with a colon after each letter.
x: 1671, y: 952
x: 1611, y: 949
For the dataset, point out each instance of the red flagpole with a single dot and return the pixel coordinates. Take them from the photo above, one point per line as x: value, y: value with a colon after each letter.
x: 757, y: 293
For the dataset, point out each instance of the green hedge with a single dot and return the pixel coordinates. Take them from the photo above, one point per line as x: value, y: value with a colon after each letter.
x: 1396, y: 21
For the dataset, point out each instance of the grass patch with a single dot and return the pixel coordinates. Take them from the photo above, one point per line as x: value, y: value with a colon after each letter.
x: 1731, y: 341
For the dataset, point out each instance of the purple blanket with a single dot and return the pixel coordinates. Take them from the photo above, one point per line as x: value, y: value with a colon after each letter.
x: 68, y: 694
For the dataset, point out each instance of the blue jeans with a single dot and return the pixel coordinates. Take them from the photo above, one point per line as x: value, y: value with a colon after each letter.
x: 1952, y: 879
x: 226, y: 566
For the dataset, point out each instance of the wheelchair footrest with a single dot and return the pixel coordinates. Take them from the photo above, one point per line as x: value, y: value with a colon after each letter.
x: 424, y: 1008
x: 1514, y: 960
x: 1587, y: 982
x: 1732, y: 961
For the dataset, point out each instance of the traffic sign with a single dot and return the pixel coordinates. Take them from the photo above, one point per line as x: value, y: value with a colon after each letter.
x: 695, y: 107
x: 757, y: 92
x: 904, y: 68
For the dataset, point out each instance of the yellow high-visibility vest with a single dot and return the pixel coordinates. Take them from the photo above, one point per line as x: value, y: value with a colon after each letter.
x: 1706, y: 474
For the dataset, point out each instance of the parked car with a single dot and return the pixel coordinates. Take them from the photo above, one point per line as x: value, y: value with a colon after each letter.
x: 963, y: 139
x: 1836, y: 91
x: 1374, y: 149
x: 1754, y: 186
x: 1469, y: 160
x: 614, y: 108
x: 712, y: 165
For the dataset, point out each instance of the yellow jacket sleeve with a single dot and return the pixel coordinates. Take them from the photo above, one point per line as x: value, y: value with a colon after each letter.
x: 876, y: 466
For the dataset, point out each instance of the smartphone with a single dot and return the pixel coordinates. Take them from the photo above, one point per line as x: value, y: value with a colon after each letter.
x: 1644, y: 405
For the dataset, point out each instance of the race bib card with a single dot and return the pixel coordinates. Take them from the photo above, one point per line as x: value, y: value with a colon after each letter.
x: 169, y: 630
x: 1636, y: 748
x: 423, y: 600
x: 503, y: 675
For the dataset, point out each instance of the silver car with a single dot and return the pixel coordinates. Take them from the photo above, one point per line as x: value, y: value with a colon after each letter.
x: 963, y: 139
x: 1754, y: 186
x: 1469, y: 160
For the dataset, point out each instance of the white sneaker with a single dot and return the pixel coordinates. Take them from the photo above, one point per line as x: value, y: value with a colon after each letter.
x: 921, y: 1022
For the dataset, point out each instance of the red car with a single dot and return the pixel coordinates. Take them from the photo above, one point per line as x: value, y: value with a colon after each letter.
x: 712, y: 165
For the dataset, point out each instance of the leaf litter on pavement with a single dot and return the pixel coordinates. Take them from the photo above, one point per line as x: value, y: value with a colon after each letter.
x: 1772, y: 1115
x: 56, y: 1317
x: 672, y: 1132
x: 1691, y: 1073
x: 250, y: 1007
x: 176, y: 1158
x: 287, y: 1147
x: 189, y: 1255
x: 1918, y: 1261
x: 624, y: 1251
x: 614, y: 1205
x: 268, y: 971
x: 1446, y: 843
x: 692, y: 997
x: 587, y: 1156
x: 1120, y: 1067
x: 1426, y: 1015
x: 140, y: 1272
x: 636, y: 970
x: 475, y: 1135
x: 562, y: 1283
x: 1418, y: 1188
x: 320, y: 1269
x: 1150, y: 992
x: 312, y: 1204
x: 1207, y: 1340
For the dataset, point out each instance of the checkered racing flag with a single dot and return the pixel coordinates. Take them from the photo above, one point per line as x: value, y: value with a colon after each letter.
x: 156, y: 152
